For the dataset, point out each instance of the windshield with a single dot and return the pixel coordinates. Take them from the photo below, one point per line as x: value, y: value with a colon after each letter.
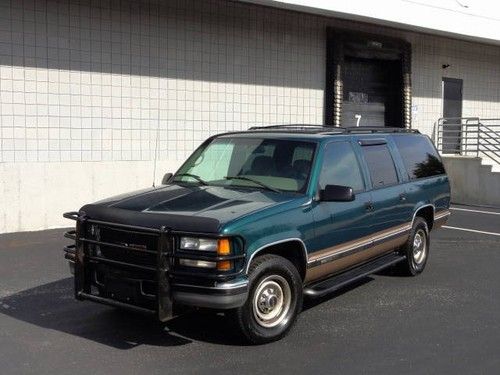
x: 271, y: 164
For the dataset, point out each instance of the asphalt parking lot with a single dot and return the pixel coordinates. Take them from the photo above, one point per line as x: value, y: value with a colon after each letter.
x: 446, y: 320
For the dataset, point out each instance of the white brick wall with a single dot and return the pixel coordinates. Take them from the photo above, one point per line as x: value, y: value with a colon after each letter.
x: 477, y: 65
x: 93, y: 82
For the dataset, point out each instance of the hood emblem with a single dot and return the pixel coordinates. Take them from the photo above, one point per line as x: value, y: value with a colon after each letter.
x: 134, y: 246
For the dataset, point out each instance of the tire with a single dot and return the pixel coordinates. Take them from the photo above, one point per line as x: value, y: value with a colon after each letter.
x: 274, y: 300
x: 416, y: 249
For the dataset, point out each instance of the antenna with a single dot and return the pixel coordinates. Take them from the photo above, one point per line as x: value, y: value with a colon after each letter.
x: 157, y: 95
x: 156, y: 149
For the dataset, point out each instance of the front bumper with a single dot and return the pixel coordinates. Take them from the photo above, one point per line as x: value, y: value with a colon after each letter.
x: 222, y: 296
x: 154, y: 288
x: 227, y: 295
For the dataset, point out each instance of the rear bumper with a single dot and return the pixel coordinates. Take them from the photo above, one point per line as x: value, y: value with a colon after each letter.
x: 440, y: 218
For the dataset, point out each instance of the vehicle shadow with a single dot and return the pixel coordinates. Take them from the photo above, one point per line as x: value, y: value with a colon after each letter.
x: 52, y: 306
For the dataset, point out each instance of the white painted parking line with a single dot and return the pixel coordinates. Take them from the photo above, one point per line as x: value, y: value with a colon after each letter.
x: 471, y: 230
x: 477, y: 211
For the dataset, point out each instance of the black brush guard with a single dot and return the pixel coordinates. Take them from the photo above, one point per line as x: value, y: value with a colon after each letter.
x: 161, y: 271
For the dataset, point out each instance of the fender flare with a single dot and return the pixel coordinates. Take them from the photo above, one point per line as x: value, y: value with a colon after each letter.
x: 284, y: 240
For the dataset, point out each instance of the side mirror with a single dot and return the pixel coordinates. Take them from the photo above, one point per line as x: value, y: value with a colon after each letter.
x: 166, y: 179
x: 336, y: 193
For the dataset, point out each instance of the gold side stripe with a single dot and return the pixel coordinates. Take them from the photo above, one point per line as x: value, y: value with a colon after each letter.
x: 339, y: 249
x: 405, y: 228
x: 346, y: 247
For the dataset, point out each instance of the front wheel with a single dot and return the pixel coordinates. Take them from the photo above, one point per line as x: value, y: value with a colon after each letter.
x: 416, y: 249
x: 274, y: 300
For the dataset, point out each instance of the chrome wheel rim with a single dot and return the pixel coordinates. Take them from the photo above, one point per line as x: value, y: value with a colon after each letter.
x: 419, y: 247
x: 271, y: 301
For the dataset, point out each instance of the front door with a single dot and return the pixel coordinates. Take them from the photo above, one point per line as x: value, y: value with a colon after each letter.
x: 342, y: 229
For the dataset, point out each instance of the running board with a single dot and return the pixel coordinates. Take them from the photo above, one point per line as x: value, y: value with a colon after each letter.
x: 339, y: 281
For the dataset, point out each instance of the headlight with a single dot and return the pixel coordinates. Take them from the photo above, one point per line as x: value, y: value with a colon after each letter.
x: 221, y: 247
x: 204, y: 244
x: 197, y: 263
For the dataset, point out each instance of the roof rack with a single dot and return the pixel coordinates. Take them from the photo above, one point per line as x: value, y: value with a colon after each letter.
x: 378, y: 129
x: 322, y: 129
x: 291, y: 126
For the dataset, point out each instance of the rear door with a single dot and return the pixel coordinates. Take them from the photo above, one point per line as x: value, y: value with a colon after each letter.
x: 390, y: 209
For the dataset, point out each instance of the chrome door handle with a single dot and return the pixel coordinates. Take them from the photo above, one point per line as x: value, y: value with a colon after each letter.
x: 402, y: 197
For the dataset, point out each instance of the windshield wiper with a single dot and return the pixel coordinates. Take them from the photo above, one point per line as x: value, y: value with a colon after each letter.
x: 197, y: 178
x: 261, y: 184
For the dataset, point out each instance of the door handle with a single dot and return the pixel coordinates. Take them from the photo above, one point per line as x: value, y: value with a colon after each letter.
x: 369, y: 206
x: 402, y: 197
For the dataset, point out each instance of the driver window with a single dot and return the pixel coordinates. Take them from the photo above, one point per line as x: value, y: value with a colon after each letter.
x: 340, y: 167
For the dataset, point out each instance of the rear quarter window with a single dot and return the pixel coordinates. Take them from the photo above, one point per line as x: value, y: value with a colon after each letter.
x: 419, y: 156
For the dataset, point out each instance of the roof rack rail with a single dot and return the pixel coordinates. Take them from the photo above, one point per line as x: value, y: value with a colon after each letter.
x: 378, y: 129
x: 290, y: 126
x: 322, y: 129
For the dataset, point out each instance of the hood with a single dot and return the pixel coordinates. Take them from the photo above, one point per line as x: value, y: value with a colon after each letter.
x: 184, y: 208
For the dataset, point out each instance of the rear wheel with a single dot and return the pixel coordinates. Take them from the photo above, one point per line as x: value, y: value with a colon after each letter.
x: 274, y: 300
x: 416, y: 248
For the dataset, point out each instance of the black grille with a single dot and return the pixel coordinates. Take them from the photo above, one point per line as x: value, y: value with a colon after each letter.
x: 147, y: 242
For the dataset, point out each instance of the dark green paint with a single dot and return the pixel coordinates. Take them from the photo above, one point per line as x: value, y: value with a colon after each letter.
x: 264, y: 217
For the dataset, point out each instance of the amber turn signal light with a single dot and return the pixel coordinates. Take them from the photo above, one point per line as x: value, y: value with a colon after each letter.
x: 224, y: 265
x: 224, y: 247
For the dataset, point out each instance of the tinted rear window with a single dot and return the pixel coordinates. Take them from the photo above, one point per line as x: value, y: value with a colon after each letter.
x: 419, y: 156
x: 380, y: 164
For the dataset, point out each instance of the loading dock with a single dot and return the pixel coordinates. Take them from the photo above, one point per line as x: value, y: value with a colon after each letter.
x: 368, y: 80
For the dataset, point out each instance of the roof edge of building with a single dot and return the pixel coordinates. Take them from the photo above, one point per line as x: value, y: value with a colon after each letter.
x: 332, y: 13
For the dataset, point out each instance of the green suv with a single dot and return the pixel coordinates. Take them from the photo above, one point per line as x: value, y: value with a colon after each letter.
x: 254, y: 221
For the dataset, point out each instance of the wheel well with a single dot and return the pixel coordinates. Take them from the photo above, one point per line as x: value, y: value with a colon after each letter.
x: 427, y: 213
x: 291, y: 250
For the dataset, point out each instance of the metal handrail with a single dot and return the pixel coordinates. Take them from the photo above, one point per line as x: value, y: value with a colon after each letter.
x: 472, y: 136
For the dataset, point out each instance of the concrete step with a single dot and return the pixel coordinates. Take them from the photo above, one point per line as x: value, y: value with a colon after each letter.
x: 495, y: 167
x: 472, y: 182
